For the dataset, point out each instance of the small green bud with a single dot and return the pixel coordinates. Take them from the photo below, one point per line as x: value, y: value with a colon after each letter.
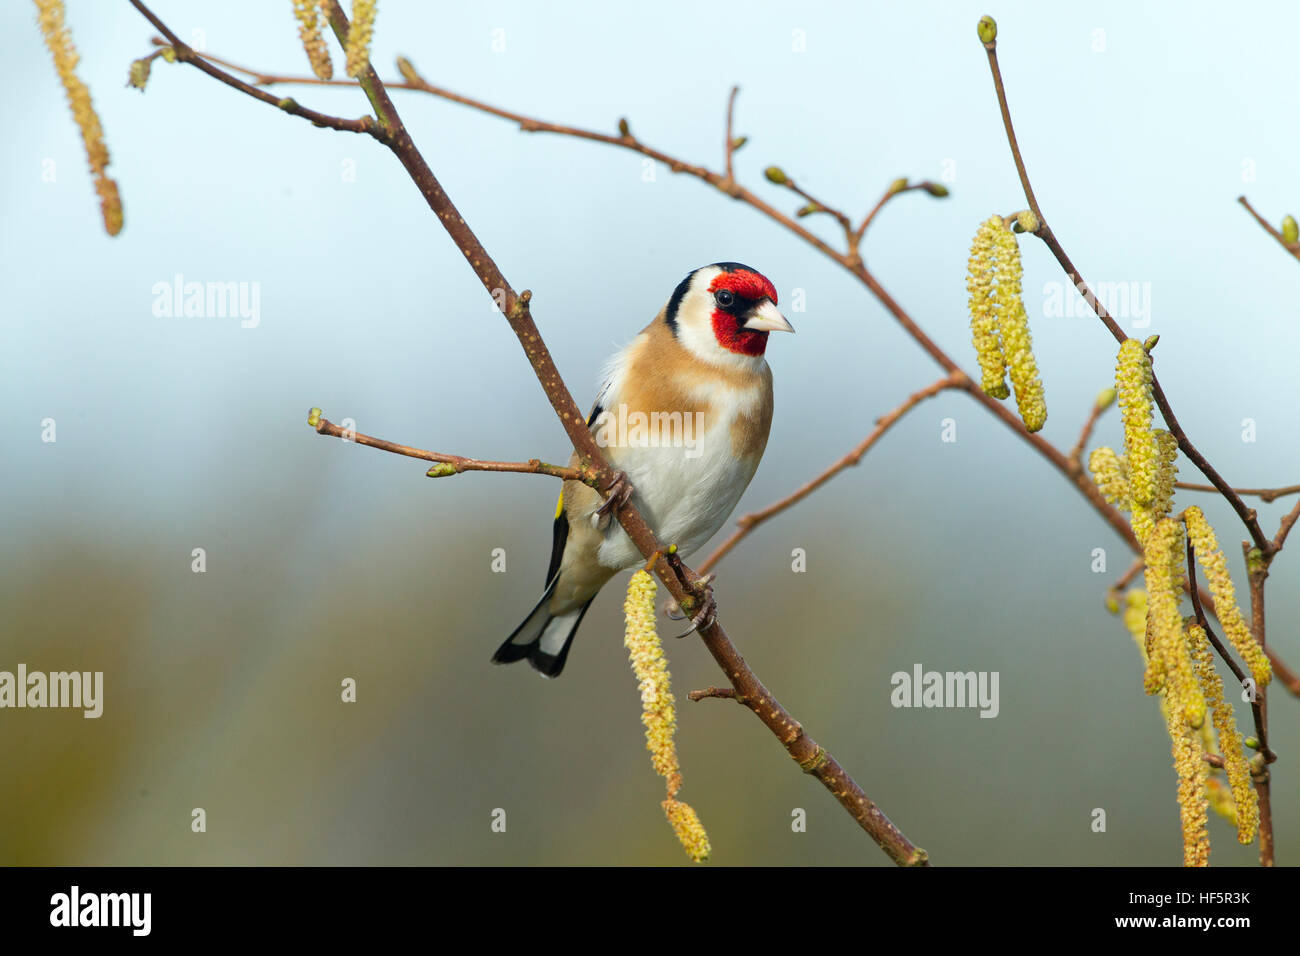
x: 1150, y: 343
x: 1105, y: 399
x: 314, y: 416
x: 1252, y: 743
x: 897, y: 186
x: 139, y: 73
x: 441, y: 470
x: 775, y: 174
x: 169, y: 54
x: 623, y: 129
x: 1112, y: 604
x: 807, y: 210
x: 1290, y: 231
x: 987, y: 29
x: 407, y: 69
x: 938, y: 190
x: 738, y: 142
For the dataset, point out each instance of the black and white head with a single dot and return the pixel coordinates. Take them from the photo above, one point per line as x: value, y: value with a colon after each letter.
x: 724, y: 312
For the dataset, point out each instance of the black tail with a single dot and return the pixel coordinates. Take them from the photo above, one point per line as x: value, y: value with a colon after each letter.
x: 543, y: 638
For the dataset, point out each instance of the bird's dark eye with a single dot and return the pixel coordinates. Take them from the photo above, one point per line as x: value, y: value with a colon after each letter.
x: 725, y: 298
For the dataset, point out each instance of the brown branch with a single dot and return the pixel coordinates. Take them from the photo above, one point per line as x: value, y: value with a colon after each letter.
x: 747, y: 523
x: 1283, y: 673
x: 1127, y: 577
x: 1076, y: 453
x: 813, y: 206
x: 811, y: 757
x: 1291, y: 247
x: 1258, y: 708
x: 730, y: 147
x: 1264, y: 549
x: 847, y: 260
x: 1284, y: 529
x: 1082, y: 483
x: 454, y: 464
x: 1265, y: 494
x: 185, y: 54
x: 1044, y: 232
x: 1201, y: 619
x: 1256, y: 572
x: 934, y: 189
x: 725, y: 693
x: 530, y: 124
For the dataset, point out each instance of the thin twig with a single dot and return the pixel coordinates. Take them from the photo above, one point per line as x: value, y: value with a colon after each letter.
x: 186, y: 54
x: 1264, y: 494
x: 1127, y: 577
x: 1081, y: 482
x: 458, y: 463
x: 889, y: 194
x: 725, y: 693
x: 1291, y: 247
x: 730, y: 147
x: 1282, y: 672
x: 1076, y: 453
x: 1044, y: 232
x: 1284, y: 529
x: 747, y: 523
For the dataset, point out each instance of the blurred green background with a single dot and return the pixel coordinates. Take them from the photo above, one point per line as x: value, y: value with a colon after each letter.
x: 327, y: 561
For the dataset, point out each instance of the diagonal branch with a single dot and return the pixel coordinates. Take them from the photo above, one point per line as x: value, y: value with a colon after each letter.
x: 1291, y: 247
x: 185, y: 54
x: 1260, y: 775
x: 1069, y: 466
x: 1098, y: 409
x: 1044, y: 232
x: 810, y: 756
x: 848, y: 260
x: 747, y: 523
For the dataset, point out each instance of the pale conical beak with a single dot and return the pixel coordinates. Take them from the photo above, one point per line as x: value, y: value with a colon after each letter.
x: 767, y: 319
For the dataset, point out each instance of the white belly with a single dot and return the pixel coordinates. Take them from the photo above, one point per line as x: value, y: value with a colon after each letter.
x: 686, y: 490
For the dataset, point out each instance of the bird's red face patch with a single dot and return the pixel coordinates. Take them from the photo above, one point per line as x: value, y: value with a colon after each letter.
x: 728, y: 327
x: 746, y: 284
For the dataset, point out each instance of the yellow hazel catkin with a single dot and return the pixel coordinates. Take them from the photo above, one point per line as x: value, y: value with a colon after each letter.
x: 58, y: 40
x: 1244, y: 799
x: 1215, y: 566
x: 1111, y: 476
x: 1133, y: 385
x: 983, y: 310
x: 309, y: 14
x: 658, y: 709
x: 360, y: 32
x: 1013, y: 328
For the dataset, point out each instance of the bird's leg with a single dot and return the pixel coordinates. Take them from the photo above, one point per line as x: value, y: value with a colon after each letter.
x: 701, y: 589
x: 620, y: 490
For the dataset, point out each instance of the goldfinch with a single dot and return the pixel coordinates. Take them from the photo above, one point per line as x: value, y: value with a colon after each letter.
x: 683, y: 416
